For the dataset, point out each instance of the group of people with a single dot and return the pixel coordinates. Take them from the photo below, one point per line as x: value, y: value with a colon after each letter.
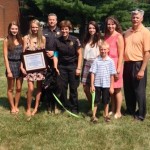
x: 102, y: 71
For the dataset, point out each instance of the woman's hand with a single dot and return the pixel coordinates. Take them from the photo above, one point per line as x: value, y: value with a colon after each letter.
x: 111, y: 90
x: 50, y: 54
x: 23, y: 71
x: 57, y: 71
x: 78, y: 72
x: 9, y: 75
x: 116, y: 77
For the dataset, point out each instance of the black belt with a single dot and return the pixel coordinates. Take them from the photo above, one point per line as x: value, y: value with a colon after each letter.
x: 14, y: 59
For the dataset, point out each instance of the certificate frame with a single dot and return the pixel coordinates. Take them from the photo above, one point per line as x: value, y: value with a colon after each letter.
x: 34, y: 61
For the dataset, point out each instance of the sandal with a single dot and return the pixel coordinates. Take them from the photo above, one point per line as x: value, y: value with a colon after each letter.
x: 13, y: 112
x: 94, y: 119
x: 111, y: 113
x: 116, y: 116
x: 107, y: 119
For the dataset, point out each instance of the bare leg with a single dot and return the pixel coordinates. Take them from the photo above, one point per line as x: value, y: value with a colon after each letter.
x: 10, y: 90
x: 118, y: 97
x: 18, y: 92
x: 113, y: 105
x: 106, y: 109
x: 38, y: 96
x: 106, y: 114
x: 87, y: 93
x: 29, y: 96
x: 94, y: 111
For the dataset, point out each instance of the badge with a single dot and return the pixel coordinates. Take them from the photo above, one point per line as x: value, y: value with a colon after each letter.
x: 58, y: 33
x: 71, y: 43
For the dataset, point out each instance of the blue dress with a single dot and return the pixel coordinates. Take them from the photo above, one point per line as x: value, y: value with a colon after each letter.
x: 14, y: 58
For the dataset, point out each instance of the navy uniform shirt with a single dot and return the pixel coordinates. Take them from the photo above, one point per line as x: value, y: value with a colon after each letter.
x: 50, y: 37
x: 67, y: 50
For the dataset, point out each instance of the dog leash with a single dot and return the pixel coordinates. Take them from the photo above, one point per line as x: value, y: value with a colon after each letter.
x: 72, y: 114
x: 93, y: 99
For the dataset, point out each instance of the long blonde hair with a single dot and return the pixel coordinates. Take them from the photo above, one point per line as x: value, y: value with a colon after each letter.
x: 40, y: 40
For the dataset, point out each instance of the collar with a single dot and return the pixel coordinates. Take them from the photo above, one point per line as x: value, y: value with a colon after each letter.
x: 100, y: 58
x: 55, y: 30
x: 138, y: 29
x: 68, y: 39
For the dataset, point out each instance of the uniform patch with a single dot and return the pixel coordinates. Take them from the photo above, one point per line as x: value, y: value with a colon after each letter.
x: 79, y: 44
x: 71, y: 43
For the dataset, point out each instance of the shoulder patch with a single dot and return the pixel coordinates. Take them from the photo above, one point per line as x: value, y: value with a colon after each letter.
x: 79, y: 44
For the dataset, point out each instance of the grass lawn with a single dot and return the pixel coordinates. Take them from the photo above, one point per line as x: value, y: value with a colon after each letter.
x: 63, y: 132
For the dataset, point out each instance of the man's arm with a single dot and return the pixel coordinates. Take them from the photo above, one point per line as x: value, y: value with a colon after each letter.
x: 146, y: 58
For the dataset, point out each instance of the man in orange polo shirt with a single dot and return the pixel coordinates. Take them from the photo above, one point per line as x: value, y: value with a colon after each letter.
x: 136, y: 56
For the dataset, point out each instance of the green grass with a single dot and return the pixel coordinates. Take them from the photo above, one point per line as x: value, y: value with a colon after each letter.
x: 63, y: 132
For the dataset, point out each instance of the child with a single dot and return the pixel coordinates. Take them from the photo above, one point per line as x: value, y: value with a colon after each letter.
x: 102, y: 79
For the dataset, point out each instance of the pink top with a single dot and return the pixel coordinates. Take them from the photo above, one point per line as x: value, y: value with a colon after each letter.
x: 113, y: 53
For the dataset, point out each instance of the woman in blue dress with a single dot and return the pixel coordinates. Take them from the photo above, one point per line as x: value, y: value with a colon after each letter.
x: 12, y: 51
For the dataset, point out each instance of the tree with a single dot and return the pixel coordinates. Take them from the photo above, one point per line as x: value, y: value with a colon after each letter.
x: 82, y: 11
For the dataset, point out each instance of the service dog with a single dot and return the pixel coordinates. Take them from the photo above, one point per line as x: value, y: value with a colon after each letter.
x: 50, y: 86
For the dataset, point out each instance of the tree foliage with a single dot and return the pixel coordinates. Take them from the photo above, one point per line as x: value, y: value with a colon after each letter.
x: 81, y: 11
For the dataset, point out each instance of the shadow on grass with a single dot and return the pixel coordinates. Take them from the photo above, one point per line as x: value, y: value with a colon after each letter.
x: 84, y: 106
x: 5, y: 104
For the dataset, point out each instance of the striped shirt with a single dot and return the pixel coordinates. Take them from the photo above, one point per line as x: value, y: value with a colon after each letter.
x: 103, y: 69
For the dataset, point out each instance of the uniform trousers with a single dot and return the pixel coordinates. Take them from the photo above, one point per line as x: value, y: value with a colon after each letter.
x: 134, y: 89
x: 69, y: 79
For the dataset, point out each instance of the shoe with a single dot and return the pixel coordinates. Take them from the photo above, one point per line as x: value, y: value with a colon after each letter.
x: 89, y: 113
x: 13, y: 112
x: 94, y: 119
x: 111, y: 113
x: 107, y: 119
x: 139, y: 118
x: 75, y: 112
x: 127, y: 112
x: 117, y: 116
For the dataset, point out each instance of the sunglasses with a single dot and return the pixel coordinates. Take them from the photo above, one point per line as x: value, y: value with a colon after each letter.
x: 138, y: 11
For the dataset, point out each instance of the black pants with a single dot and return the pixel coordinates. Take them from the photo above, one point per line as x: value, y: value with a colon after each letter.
x: 68, y: 78
x: 134, y: 89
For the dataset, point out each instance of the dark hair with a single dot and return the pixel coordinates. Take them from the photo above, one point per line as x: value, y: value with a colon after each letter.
x: 65, y: 23
x: 11, y: 44
x: 96, y: 37
x: 116, y: 22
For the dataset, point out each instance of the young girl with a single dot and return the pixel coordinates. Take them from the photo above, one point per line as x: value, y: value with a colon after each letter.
x: 12, y: 50
x: 91, y: 51
x: 34, y: 41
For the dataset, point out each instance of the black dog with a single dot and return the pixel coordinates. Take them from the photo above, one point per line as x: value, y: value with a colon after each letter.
x: 50, y: 86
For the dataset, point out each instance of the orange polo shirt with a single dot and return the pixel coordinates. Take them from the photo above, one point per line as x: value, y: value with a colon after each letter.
x: 136, y: 43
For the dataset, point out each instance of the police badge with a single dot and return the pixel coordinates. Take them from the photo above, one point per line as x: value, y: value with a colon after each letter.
x: 71, y: 43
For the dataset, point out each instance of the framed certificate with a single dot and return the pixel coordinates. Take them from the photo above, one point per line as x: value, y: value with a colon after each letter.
x: 34, y: 60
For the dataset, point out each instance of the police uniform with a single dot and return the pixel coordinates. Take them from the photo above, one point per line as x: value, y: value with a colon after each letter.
x: 67, y: 65
x: 50, y: 36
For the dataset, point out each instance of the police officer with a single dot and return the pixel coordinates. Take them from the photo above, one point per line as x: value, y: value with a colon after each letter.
x: 51, y: 32
x: 68, y: 64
